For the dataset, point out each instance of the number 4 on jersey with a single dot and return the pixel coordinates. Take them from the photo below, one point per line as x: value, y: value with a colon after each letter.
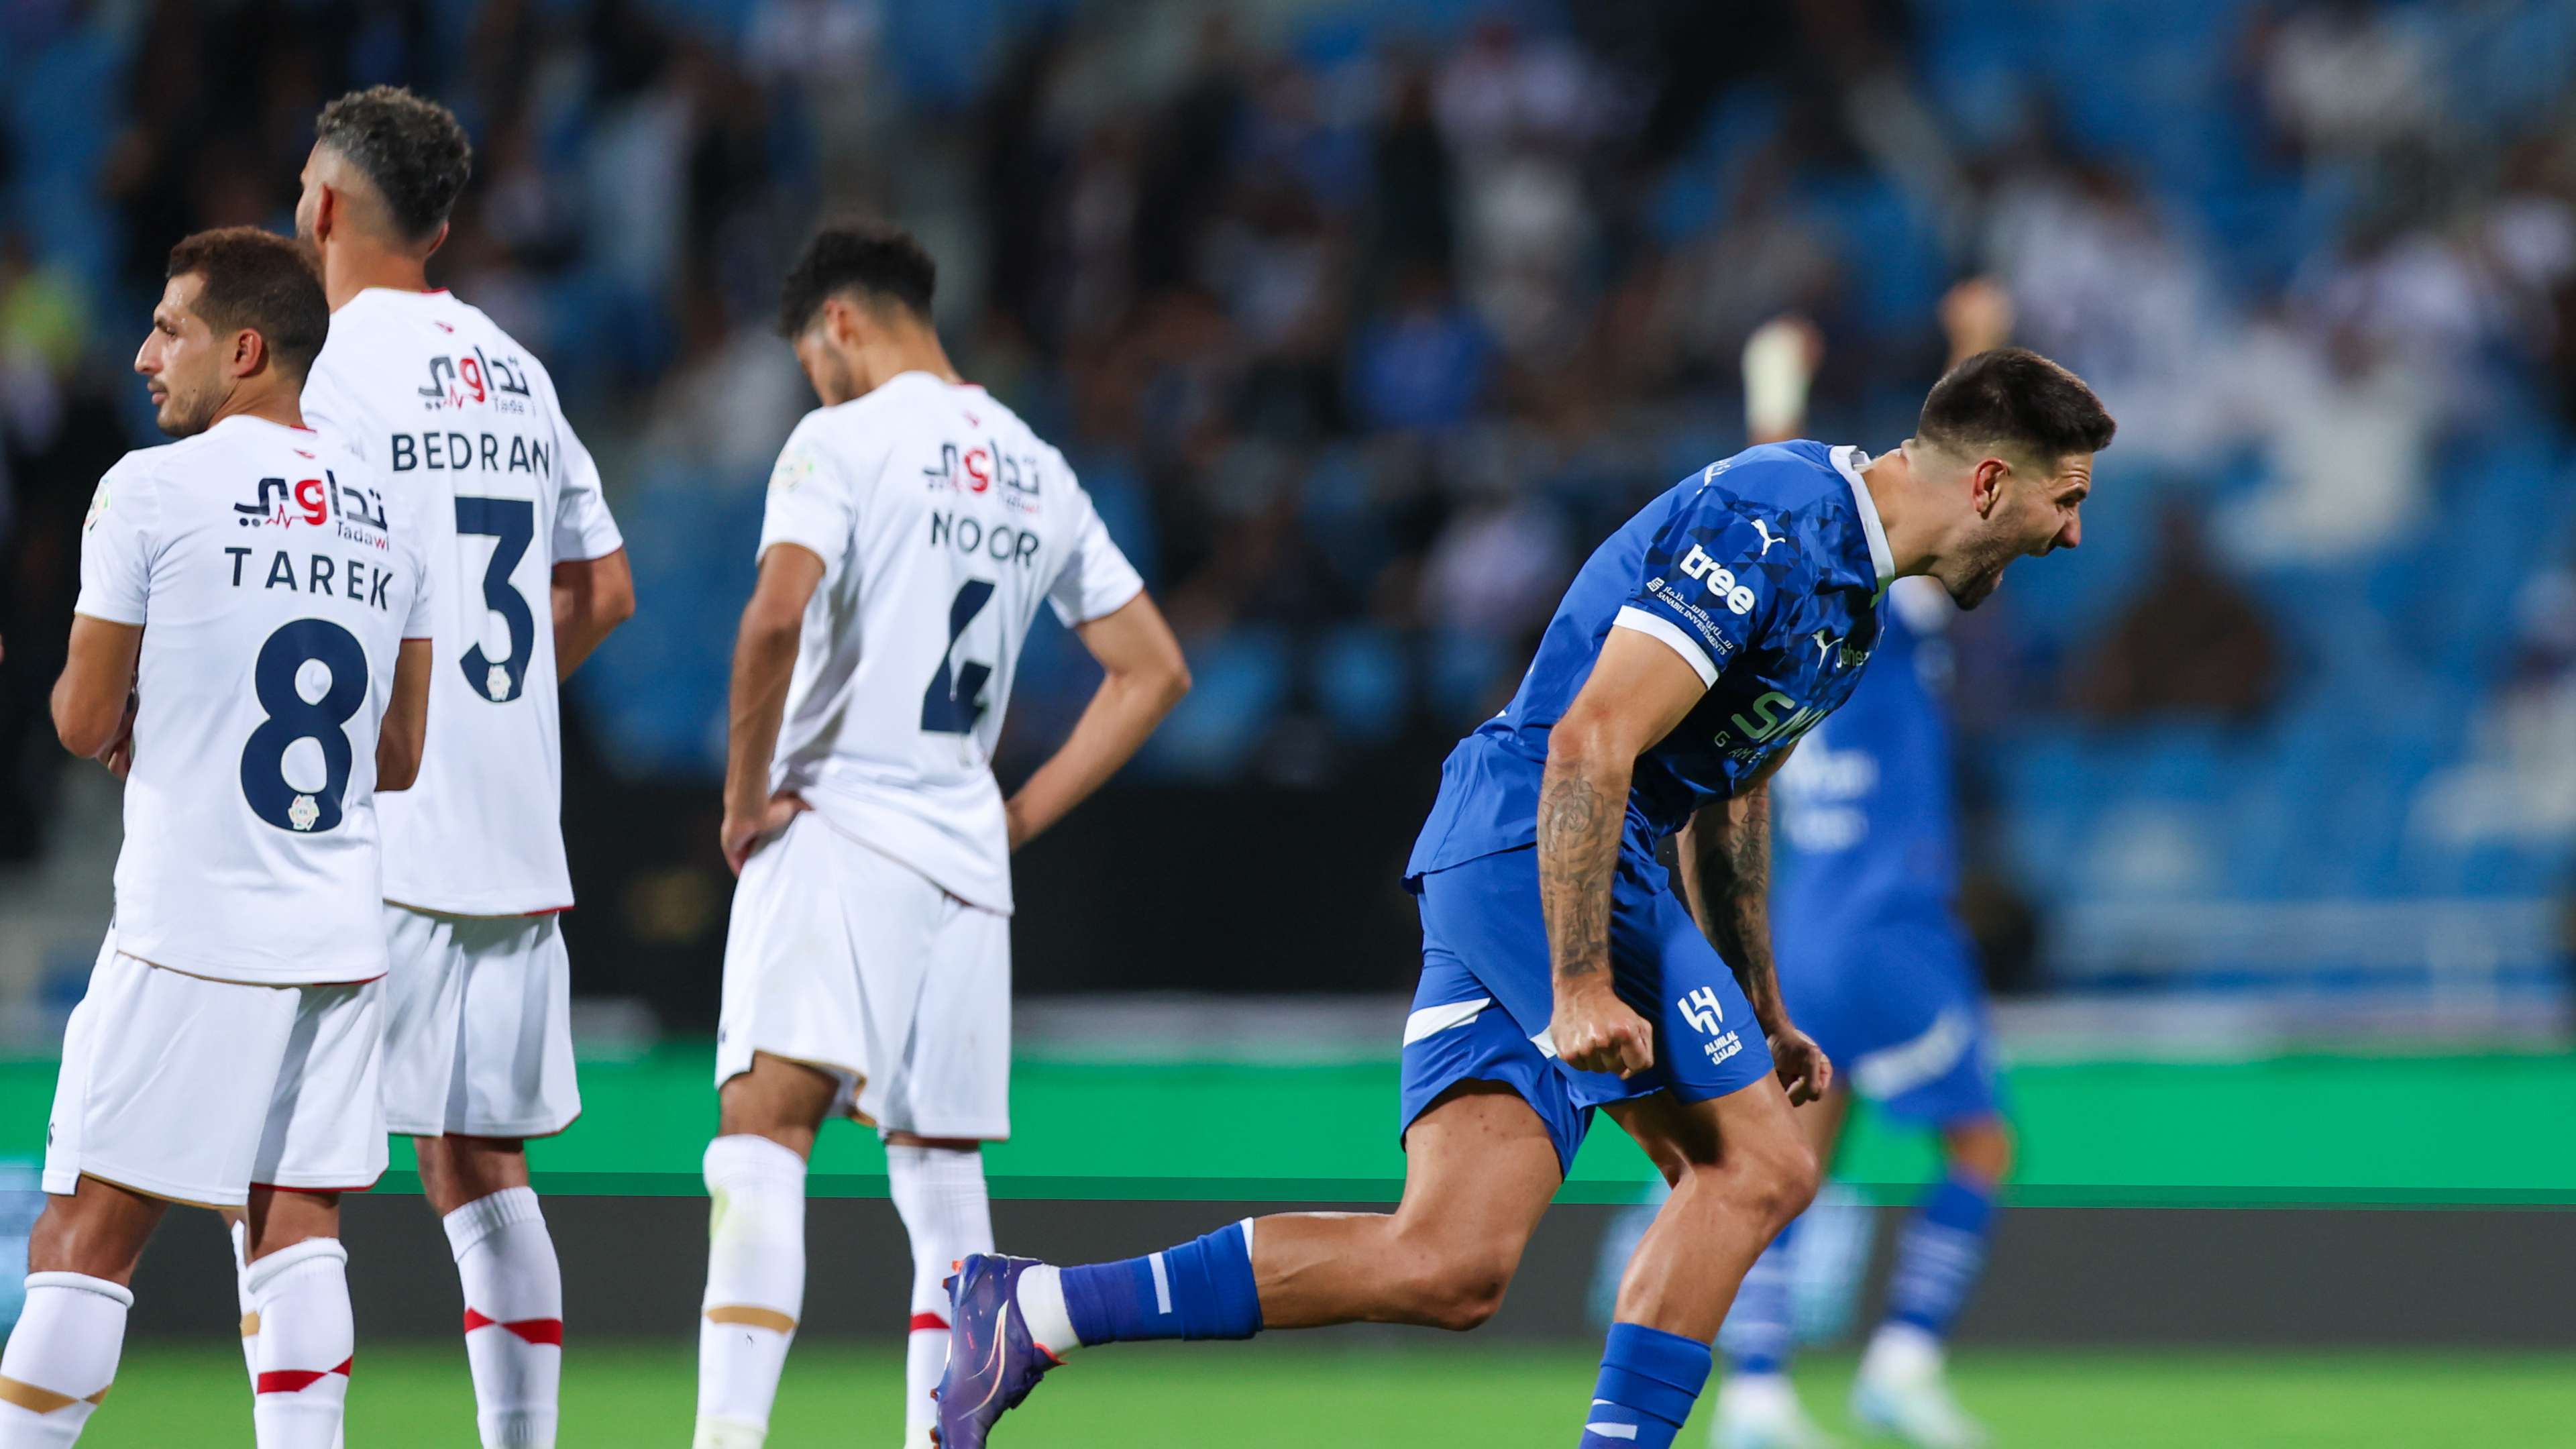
x: 953, y: 703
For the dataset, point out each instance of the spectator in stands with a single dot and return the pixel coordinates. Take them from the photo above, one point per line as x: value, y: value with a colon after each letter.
x: 2192, y: 643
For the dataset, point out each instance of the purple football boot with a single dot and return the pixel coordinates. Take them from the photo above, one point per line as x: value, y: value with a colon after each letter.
x: 992, y: 1361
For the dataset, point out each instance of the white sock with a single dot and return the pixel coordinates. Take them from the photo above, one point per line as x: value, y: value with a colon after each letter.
x: 755, y: 1286
x: 513, y: 1316
x: 1902, y: 1351
x: 60, y: 1359
x: 250, y: 1315
x: 1759, y: 1396
x: 1041, y: 1300
x: 241, y: 1291
x: 307, y: 1344
x: 948, y: 1214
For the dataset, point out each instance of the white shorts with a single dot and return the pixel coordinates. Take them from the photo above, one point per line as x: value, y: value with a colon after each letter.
x: 197, y: 1090
x: 478, y: 1026
x: 848, y: 960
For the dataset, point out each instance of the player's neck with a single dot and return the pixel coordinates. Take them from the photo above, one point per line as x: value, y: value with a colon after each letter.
x: 1892, y: 480
x: 265, y: 401
x: 883, y: 359
x: 347, y: 271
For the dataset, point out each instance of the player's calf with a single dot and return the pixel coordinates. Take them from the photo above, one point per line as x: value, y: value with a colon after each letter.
x: 755, y: 1174
x: 938, y: 1188
x: 62, y: 1355
x: 307, y: 1344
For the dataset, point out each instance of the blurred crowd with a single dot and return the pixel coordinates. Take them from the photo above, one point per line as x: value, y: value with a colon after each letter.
x: 1363, y: 321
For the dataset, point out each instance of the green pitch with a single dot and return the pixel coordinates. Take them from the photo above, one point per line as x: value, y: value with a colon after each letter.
x: 1359, y: 1391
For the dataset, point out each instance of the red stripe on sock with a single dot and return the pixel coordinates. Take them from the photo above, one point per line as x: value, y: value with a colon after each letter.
x: 296, y: 1381
x: 541, y: 1331
x: 925, y: 1322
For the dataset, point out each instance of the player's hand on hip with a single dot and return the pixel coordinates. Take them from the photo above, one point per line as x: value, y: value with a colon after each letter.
x: 1802, y: 1065
x: 744, y: 833
x: 119, y: 754
x: 1595, y: 1031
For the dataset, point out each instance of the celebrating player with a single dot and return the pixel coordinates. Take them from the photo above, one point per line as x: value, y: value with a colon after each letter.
x: 1884, y: 975
x: 261, y: 597
x: 914, y: 525
x: 1561, y: 972
x: 531, y: 577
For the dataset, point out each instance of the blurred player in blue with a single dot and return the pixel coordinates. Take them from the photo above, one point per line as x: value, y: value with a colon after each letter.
x: 1883, y: 974
x: 1561, y: 969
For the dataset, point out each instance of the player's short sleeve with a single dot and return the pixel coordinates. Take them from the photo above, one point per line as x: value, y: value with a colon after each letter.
x: 422, y: 621
x: 117, y: 547
x: 1096, y: 578
x: 329, y: 407
x: 1705, y: 585
x: 813, y: 499
x: 583, y: 528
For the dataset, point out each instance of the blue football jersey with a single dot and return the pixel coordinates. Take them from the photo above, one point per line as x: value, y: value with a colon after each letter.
x: 1866, y: 811
x: 1763, y: 572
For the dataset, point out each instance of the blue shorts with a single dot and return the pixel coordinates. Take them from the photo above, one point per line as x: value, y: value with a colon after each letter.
x: 1899, y: 1006
x: 1482, y: 1010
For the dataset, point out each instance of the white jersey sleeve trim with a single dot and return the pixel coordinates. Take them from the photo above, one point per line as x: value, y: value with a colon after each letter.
x: 1657, y: 627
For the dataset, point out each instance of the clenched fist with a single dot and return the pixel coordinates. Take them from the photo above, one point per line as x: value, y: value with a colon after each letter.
x: 1594, y: 1031
x: 1801, y: 1065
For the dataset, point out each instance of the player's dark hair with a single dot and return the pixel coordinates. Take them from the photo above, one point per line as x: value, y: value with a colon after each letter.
x: 410, y: 149
x: 880, y: 261
x: 261, y: 281
x: 2014, y: 397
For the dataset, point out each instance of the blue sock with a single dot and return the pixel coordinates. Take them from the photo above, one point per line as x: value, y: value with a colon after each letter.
x: 1649, y: 1380
x: 1941, y: 1255
x: 1201, y: 1289
x: 1761, y: 1329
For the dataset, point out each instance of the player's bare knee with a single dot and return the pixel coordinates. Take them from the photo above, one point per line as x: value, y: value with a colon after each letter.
x: 1983, y: 1148
x: 1454, y: 1285
x: 1778, y: 1180
x: 778, y: 1099
x: 1465, y: 1293
x: 455, y: 1171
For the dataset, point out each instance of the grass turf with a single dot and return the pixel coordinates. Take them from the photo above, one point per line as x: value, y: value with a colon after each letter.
x: 1381, y: 1390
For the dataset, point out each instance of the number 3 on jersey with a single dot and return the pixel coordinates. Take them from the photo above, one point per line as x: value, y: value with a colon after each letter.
x: 511, y: 523
x: 292, y: 717
x: 955, y: 699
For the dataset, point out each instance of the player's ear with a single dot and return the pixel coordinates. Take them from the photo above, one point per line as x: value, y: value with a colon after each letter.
x: 437, y: 240
x: 841, y: 321
x: 250, y: 352
x: 1986, y: 484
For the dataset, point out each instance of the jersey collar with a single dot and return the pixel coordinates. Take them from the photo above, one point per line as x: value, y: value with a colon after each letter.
x: 1848, y: 461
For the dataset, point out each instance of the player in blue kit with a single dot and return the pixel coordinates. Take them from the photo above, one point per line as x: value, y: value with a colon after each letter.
x: 1561, y: 970
x: 1883, y: 974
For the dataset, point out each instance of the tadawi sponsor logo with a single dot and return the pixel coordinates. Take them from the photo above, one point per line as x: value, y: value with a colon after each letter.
x: 315, y: 502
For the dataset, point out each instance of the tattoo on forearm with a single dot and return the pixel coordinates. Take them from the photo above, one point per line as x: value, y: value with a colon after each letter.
x: 1734, y: 878
x: 1578, y: 844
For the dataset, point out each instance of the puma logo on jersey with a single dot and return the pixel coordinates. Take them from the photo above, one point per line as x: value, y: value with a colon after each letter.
x: 1768, y: 537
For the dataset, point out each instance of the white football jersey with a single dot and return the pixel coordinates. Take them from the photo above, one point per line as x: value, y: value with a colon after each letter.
x: 457, y: 415
x: 274, y: 577
x: 942, y: 521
